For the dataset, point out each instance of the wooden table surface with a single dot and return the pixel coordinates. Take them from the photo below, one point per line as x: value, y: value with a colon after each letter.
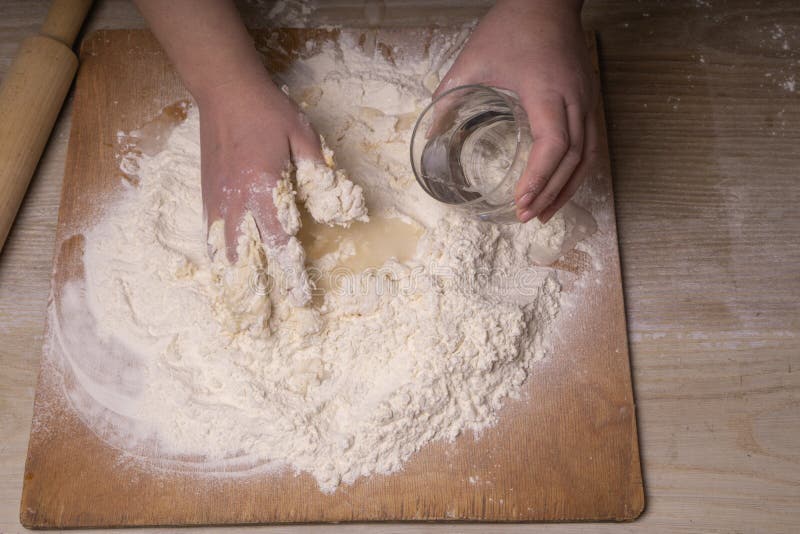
x: 703, y: 105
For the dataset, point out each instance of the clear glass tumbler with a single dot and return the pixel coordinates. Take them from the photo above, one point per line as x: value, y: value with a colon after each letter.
x: 469, y: 148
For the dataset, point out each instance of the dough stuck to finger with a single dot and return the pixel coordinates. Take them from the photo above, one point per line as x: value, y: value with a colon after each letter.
x: 291, y: 260
x: 283, y: 195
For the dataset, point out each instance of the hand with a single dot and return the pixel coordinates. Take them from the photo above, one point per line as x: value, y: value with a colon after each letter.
x: 249, y: 130
x: 249, y: 133
x: 538, y: 50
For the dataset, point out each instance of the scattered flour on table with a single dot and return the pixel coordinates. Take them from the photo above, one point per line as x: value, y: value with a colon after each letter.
x: 214, y: 367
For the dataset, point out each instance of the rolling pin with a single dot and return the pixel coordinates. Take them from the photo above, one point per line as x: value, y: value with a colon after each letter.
x: 31, y: 97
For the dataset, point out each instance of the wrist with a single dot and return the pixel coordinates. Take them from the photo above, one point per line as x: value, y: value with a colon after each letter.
x: 235, y: 89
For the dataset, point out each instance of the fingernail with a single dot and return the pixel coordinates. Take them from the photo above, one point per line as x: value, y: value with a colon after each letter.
x: 525, y: 199
x: 526, y: 216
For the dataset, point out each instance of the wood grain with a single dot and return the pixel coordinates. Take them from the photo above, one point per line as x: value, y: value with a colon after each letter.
x: 715, y: 371
x: 568, y: 451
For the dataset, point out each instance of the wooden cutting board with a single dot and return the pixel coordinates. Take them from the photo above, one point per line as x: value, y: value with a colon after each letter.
x: 566, y: 451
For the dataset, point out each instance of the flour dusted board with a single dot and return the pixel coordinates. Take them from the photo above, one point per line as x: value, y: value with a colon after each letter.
x: 566, y: 451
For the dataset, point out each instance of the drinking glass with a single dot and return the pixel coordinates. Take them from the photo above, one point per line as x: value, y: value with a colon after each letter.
x: 469, y: 148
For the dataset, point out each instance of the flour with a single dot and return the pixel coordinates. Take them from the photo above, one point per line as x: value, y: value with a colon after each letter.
x: 237, y: 307
x: 194, y: 363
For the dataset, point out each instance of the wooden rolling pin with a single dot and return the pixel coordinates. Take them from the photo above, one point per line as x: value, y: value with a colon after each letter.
x: 31, y: 97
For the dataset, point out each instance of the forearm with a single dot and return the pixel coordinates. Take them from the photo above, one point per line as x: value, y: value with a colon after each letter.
x: 207, y: 41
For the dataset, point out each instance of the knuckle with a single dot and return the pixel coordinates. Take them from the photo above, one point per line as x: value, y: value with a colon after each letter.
x: 576, y: 146
x: 559, y: 139
x: 575, y: 98
x: 572, y: 157
x: 536, y: 183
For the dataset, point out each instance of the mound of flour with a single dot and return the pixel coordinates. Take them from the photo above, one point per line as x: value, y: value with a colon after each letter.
x: 183, y: 358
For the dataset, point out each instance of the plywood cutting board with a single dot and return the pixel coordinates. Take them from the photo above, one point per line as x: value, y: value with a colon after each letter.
x: 566, y: 451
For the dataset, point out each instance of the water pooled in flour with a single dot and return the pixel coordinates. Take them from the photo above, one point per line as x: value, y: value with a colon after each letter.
x: 359, y: 247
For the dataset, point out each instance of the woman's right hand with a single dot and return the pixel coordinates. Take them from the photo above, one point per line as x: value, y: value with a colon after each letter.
x: 250, y: 131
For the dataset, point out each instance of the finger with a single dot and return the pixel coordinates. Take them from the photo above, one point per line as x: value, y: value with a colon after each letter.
x: 232, y: 220
x: 211, y: 208
x: 305, y: 143
x: 443, y: 113
x: 221, y: 206
x: 261, y: 204
x: 550, y: 135
x: 569, y: 161
x: 450, y: 80
x: 587, y: 164
x: 211, y: 212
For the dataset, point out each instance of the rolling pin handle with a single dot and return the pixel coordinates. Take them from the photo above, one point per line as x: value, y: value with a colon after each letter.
x: 31, y: 95
x: 64, y: 20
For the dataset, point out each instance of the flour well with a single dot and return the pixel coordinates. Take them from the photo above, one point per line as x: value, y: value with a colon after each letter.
x: 198, y: 364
